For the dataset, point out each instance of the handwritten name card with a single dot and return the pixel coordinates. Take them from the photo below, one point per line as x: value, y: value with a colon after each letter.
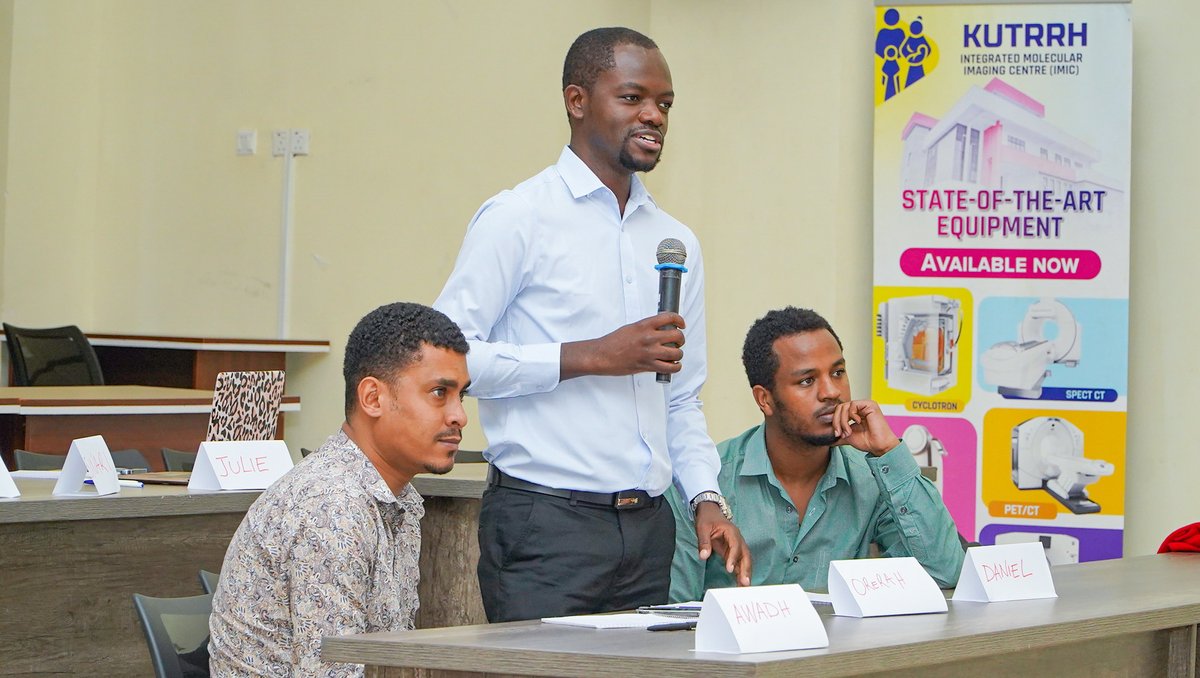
x: 875, y: 587
x: 8, y: 487
x: 239, y: 465
x: 88, y: 456
x: 992, y: 574
x: 758, y: 619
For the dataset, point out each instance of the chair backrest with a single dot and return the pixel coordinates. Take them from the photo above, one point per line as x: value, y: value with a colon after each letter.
x: 56, y: 356
x: 177, y: 460
x: 129, y: 459
x: 245, y: 405
x: 304, y: 452
x: 36, y: 461
x: 468, y: 456
x: 208, y: 581
x: 176, y: 633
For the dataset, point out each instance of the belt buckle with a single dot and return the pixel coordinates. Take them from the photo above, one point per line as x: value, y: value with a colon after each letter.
x: 627, y: 500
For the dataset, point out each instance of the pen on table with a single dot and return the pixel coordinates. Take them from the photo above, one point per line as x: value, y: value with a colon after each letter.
x: 681, y: 626
x: 120, y: 481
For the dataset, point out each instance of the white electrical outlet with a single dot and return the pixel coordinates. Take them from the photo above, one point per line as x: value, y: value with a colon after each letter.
x: 247, y: 141
x: 281, y: 140
x: 299, y: 141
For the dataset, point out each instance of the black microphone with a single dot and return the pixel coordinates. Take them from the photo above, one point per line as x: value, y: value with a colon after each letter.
x: 671, y: 255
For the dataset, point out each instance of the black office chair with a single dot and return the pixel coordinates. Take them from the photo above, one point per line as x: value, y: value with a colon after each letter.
x: 177, y: 633
x: 177, y: 460
x: 208, y: 581
x: 57, y: 356
x: 36, y: 461
x: 468, y: 456
x: 304, y: 452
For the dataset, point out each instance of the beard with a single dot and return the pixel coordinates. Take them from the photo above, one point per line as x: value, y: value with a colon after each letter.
x: 440, y: 469
x: 627, y: 161
x: 790, y: 425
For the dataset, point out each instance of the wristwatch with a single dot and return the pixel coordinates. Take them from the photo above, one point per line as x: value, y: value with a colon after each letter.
x: 714, y: 497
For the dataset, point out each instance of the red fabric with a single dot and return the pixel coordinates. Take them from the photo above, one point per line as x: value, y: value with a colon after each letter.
x: 1186, y: 539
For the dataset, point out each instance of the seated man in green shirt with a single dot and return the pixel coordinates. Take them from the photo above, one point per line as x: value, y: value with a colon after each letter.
x: 821, y: 478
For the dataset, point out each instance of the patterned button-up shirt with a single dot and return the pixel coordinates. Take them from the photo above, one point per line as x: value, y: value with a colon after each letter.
x: 327, y: 550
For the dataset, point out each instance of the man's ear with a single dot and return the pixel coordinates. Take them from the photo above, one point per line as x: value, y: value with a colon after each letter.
x: 575, y: 99
x: 370, y: 392
x: 764, y: 400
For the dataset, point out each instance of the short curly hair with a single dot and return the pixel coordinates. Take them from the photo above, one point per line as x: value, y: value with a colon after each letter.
x: 758, y: 352
x: 592, y: 54
x: 389, y: 339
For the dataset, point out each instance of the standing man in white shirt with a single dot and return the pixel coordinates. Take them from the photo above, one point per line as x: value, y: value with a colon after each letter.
x: 556, y: 292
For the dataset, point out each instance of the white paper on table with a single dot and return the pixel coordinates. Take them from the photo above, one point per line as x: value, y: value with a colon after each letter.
x: 7, y: 487
x: 613, y: 621
x: 992, y: 574
x: 876, y: 587
x: 239, y: 464
x: 88, y: 456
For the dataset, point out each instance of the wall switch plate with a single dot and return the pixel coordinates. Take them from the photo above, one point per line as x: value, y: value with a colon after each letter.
x: 299, y: 142
x: 247, y: 141
x: 281, y: 140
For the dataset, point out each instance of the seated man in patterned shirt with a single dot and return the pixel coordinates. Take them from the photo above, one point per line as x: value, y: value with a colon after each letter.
x: 822, y: 478
x: 332, y: 547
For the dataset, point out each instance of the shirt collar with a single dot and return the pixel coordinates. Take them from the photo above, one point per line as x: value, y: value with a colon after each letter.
x: 757, y: 463
x: 369, y: 475
x: 582, y: 181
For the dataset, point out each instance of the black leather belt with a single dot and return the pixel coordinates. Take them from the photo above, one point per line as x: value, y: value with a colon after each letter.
x: 622, y: 501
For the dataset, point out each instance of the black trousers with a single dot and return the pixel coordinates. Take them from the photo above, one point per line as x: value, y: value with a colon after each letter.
x: 542, y: 556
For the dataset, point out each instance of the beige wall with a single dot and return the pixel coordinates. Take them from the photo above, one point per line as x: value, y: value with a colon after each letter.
x: 128, y: 210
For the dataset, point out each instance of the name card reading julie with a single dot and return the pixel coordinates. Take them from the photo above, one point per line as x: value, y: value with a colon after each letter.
x: 876, y: 587
x: 759, y: 619
x: 992, y: 574
x: 88, y: 456
x: 8, y: 487
x: 239, y: 465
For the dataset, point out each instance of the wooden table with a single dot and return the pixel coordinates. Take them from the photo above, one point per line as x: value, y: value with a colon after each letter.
x: 1131, y: 617
x: 71, y: 565
x: 147, y: 418
x: 187, y: 362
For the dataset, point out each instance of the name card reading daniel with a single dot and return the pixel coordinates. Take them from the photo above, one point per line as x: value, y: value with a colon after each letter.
x: 239, y: 465
x: 758, y: 619
x: 88, y: 456
x: 876, y: 587
x: 8, y: 487
x: 992, y: 574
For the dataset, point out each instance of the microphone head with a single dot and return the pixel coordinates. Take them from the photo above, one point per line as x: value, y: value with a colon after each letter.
x: 671, y: 251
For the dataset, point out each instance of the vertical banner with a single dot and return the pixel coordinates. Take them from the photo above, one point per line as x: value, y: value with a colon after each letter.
x: 1001, y: 299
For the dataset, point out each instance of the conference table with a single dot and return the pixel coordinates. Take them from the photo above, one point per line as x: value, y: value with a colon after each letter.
x: 70, y: 566
x: 147, y: 418
x: 187, y: 362
x: 1128, y: 617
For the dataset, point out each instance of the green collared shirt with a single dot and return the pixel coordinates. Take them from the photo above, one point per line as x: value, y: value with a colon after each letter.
x: 861, y: 499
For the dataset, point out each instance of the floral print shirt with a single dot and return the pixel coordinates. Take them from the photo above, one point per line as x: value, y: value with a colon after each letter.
x: 327, y: 550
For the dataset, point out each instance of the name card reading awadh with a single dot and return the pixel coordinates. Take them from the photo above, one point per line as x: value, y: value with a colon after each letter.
x: 8, y: 487
x: 239, y: 465
x: 88, y: 456
x: 759, y: 619
x: 992, y: 574
x: 876, y: 587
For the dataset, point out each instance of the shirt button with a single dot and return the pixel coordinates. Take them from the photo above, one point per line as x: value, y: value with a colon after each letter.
x: 884, y: 468
x: 629, y: 280
x: 903, y: 510
x: 795, y: 559
x: 788, y: 509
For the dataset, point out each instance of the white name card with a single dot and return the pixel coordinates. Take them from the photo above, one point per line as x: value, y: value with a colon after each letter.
x: 759, y: 619
x: 876, y: 587
x: 239, y: 465
x: 8, y: 487
x: 88, y: 456
x: 1007, y: 572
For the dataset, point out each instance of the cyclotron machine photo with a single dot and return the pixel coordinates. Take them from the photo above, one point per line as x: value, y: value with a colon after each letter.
x: 920, y: 335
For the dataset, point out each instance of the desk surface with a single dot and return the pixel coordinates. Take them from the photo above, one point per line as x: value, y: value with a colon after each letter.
x: 1096, y: 601
x: 47, y: 400
x: 205, y: 343
x: 37, y: 504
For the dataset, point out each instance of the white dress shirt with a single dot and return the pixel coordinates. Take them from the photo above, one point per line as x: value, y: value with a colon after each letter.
x: 554, y: 261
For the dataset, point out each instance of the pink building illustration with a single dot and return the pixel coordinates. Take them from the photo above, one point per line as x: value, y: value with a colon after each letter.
x: 998, y: 137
